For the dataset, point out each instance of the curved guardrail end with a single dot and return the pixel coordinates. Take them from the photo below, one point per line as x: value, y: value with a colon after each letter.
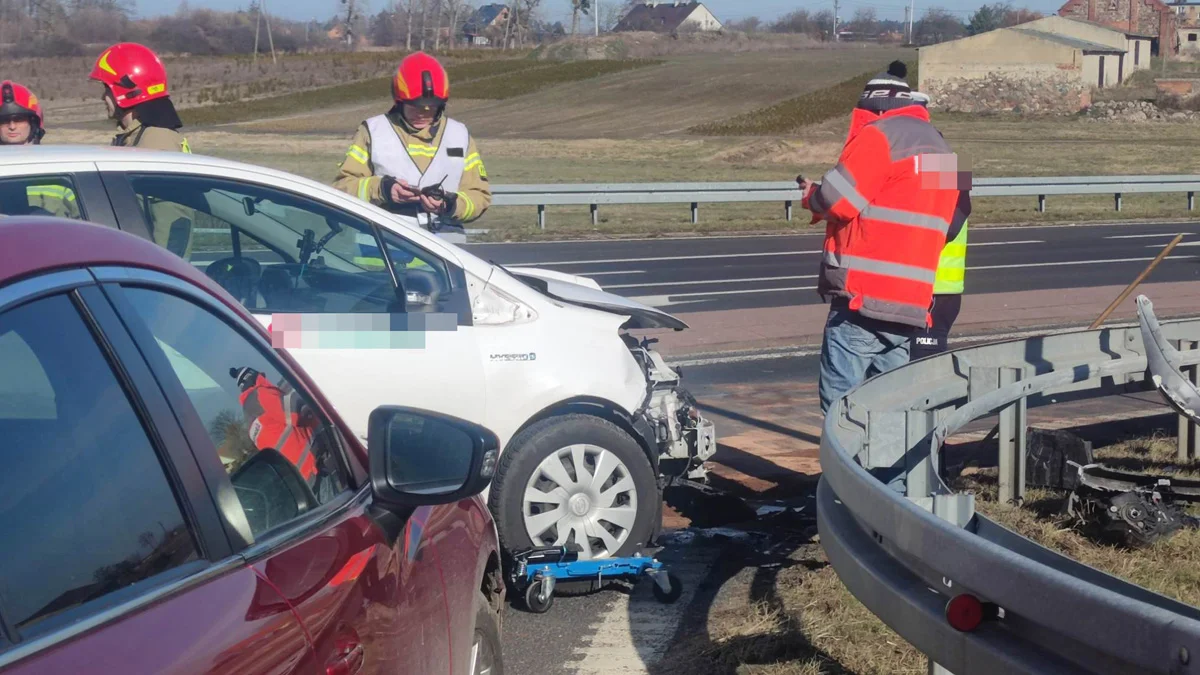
x: 1163, y: 360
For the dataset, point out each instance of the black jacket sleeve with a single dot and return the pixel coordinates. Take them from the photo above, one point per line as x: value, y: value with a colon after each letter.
x: 961, y: 211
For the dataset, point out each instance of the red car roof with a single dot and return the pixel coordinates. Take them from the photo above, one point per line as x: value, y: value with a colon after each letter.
x: 32, y: 245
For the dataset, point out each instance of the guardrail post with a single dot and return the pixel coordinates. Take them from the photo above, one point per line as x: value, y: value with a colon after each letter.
x: 695, y: 213
x: 1191, y: 201
x: 1041, y: 203
x: 1118, y: 201
x: 595, y: 214
x: 1013, y: 421
x: 542, y: 216
x: 787, y: 210
x: 1187, y: 428
x: 919, y: 467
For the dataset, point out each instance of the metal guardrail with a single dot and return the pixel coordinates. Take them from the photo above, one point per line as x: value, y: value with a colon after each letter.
x: 905, y: 544
x: 596, y: 194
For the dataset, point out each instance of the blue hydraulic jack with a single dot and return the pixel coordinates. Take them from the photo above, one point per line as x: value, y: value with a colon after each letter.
x: 536, y: 570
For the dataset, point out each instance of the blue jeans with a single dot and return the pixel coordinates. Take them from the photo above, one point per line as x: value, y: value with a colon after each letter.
x: 856, y: 348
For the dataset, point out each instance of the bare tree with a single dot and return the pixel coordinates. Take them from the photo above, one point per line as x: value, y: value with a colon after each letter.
x: 578, y: 7
x: 408, y: 11
x: 424, y: 22
x: 454, y: 9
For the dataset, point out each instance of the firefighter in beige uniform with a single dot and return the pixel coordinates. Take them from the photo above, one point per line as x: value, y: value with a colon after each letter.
x: 136, y: 96
x: 415, y: 147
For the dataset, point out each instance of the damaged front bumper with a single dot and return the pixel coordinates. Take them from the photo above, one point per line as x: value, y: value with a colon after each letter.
x: 671, y: 415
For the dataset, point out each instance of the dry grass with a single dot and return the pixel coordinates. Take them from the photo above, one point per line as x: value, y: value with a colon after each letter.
x: 807, y: 623
x: 1170, y: 567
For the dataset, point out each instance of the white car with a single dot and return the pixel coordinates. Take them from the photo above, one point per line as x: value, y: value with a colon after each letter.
x: 591, y: 420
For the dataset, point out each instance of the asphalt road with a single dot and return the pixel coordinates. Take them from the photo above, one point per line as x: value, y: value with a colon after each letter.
x: 719, y: 273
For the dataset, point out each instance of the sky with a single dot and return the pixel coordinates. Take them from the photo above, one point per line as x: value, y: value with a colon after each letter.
x: 560, y: 10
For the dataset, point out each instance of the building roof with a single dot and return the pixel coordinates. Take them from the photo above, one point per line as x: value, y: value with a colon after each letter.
x: 657, y: 16
x: 484, y: 17
x: 1070, y: 41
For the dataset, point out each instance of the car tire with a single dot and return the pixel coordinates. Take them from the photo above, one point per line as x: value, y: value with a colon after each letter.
x: 487, y: 653
x: 604, y: 446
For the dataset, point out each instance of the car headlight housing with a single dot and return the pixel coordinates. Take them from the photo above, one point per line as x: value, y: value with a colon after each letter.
x: 491, y: 306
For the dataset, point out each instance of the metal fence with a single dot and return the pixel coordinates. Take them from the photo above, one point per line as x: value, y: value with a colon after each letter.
x: 906, y: 545
x: 786, y: 192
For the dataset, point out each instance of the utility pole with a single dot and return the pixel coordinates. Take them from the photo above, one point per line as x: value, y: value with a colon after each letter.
x: 912, y: 11
x: 596, y: 16
x: 836, y: 16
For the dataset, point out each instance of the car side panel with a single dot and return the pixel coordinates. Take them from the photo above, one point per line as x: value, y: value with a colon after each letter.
x: 235, y: 623
x: 350, y: 587
x: 465, y: 538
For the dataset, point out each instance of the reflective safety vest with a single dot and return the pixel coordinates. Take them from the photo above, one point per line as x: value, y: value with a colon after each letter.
x: 952, y: 266
x: 888, y: 205
x: 390, y: 157
x: 277, y: 421
x: 371, y: 258
x: 58, y: 200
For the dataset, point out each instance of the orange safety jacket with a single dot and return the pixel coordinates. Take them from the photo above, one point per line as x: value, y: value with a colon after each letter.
x: 277, y: 421
x: 887, y: 204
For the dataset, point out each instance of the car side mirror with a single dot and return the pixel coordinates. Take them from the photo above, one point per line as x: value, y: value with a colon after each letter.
x: 419, y: 457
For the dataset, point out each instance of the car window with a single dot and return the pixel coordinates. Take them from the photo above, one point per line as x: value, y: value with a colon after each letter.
x: 277, y: 251
x: 265, y: 431
x: 86, y: 508
x: 46, y: 195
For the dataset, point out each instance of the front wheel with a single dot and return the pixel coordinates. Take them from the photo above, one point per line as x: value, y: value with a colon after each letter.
x: 487, y: 656
x: 576, y: 481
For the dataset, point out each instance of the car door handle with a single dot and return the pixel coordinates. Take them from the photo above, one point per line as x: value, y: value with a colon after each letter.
x: 347, y: 658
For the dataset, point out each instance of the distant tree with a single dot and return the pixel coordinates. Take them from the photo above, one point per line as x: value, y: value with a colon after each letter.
x: 579, y: 7
x: 750, y: 24
x: 1015, y: 17
x: 864, y: 21
x: 938, y: 25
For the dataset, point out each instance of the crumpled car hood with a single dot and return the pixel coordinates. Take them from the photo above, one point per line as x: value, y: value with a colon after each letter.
x: 585, y: 292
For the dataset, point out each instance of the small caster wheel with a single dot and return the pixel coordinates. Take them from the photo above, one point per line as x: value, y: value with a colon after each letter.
x: 673, y: 591
x: 533, y: 599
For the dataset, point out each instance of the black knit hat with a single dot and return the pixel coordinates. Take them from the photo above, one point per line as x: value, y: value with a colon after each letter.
x: 887, y: 91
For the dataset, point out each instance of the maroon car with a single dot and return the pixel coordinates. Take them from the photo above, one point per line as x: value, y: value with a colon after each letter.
x: 177, y: 497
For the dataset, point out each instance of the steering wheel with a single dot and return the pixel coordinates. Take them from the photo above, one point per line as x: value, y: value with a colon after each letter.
x: 239, y: 276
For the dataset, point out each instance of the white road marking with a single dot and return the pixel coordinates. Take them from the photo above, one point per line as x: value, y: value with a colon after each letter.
x: 1078, y: 262
x: 710, y: 281
x: 712, y: 256
x: 651, y: 299
x: 1143, y: 236
x: 1182, y: 243
x: 637, y: 630
x: 611, y: 273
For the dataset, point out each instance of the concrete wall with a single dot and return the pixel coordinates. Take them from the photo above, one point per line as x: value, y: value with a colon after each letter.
x: 1004, y: 50
x: 1189, y: 40
x: 1137, y: 56
x: 1078, y: 30
x: 1112, y: 66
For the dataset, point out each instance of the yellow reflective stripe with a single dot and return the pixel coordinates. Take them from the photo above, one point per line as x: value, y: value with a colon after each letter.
x: 474, y: 161
x: 358, y: 154
x: 422, y: 150
x: 185, y: 147
x: 46, y: 191
x: 470, y: 205
x: 364, y: 189
x: 368, y: 262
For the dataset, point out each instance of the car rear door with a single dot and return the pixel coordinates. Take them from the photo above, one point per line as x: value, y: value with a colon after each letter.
x: 115, y: 560
x: 252, y: 238
x: 369, y: 594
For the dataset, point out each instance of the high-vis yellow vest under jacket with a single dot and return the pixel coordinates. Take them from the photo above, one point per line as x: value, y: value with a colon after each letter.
x: 952, y: 267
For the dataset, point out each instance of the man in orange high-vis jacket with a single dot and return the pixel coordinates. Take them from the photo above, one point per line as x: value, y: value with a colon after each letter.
x: 278, y: 420
x: 887, y: 205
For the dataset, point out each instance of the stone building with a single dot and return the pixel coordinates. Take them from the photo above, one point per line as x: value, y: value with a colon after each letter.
x: 1152, y: 18
x: 1042, y: 66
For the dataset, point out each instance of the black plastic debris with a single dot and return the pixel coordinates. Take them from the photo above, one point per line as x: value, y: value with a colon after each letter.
x: 1133, y: 510
x: 1049, y: 451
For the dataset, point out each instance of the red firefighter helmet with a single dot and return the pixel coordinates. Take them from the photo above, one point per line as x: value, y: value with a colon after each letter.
x: 16, y: 99
x: 421, y: 80
x: 132, y: 72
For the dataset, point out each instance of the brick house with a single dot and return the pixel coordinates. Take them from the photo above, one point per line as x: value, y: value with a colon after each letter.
x: 1152, y: 18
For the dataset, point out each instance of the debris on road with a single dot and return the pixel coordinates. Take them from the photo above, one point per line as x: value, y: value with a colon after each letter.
x: 1131, y: 509
x: 1048, y: 453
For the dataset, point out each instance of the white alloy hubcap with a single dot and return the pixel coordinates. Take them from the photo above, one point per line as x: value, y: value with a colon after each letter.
x: 581, y: 495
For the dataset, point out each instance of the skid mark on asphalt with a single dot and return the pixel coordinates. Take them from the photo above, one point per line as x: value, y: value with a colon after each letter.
x: 637, y: 629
